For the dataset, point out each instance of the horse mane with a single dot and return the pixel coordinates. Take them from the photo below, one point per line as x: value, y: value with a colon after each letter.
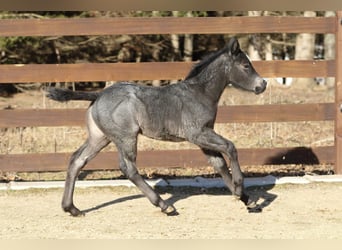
x: 198, y: 67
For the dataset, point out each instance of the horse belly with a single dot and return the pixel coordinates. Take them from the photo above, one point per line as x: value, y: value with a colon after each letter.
x: 162, y: 128
x: 163, y: 137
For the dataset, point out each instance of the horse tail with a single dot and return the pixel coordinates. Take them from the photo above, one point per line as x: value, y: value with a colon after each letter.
x: 64, y: 95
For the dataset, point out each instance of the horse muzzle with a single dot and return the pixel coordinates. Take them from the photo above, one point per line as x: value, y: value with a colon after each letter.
x: 261, y: 87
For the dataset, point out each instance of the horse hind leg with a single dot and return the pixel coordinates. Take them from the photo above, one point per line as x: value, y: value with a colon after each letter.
x: 95, y: 142
x: 128, y: 167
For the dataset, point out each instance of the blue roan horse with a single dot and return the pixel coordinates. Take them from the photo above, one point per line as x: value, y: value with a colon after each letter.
x: 185, y: 111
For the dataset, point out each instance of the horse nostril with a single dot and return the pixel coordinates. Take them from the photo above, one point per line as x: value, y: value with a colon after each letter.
x: 258, y: 90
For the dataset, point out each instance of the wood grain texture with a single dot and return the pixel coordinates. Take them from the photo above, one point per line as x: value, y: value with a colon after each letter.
x: 226, y: 114
x: 167, y: 159
x: 165, y: 25
x: 87, y: 72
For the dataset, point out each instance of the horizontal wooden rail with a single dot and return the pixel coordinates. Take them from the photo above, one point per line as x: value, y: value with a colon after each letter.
x: 276, y: 113
x: 165, y: 25
x: 168, y: 159
x: 226, y: 114
x: 86, y: 72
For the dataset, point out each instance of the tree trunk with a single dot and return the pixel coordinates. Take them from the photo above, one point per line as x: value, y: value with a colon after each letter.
x: 156, y: 52
x: 188, y: 43
x: 175, y: 46
x: 175, y: 40
x: 254, y: 40
x: 305, y: 46
x: 268, y: 44
x: 329, y: 50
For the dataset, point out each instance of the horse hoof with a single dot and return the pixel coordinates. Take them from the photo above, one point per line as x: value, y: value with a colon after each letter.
x: 244, y: 198
x: 74, y: 211
x: 251, y: 205
x: 77, y: 214
x: 170, y: 211
x: 254, y: 209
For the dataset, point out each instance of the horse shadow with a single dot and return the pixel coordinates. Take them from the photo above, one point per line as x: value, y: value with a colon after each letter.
x: 259, y: 194
x: 112, y: 203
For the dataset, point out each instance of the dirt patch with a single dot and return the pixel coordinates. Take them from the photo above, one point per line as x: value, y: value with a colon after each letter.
x: 289, y: 211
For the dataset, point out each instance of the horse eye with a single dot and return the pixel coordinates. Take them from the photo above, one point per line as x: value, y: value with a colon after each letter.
x: 245, y: 66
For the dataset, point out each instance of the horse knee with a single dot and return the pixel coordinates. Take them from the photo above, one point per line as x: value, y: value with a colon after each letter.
x: 232, y: 152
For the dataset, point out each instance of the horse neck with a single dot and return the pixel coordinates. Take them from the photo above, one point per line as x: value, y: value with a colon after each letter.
x: 211, y: 81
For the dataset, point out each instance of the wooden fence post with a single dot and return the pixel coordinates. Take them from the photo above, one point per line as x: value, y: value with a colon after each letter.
x: 338, y: 92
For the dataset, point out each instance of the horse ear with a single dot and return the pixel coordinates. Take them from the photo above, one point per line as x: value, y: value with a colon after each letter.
x: 233, y: 46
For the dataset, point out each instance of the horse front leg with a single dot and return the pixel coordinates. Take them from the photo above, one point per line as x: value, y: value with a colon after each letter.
x: 213, y: 145
x: 218, y: 162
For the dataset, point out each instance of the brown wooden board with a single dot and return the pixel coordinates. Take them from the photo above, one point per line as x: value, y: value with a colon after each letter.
x: 167, y: 159
x: 87, y: 72
x: 165, y: 25
x: 92, y: 72
x: 42, y: 117
x: 226, y: 114
x: 276, y: 113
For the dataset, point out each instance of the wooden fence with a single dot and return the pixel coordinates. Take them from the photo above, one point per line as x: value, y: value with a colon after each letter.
x: 173, y: 70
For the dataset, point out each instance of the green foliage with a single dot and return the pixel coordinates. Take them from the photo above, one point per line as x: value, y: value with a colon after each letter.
x: 86, y: 48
